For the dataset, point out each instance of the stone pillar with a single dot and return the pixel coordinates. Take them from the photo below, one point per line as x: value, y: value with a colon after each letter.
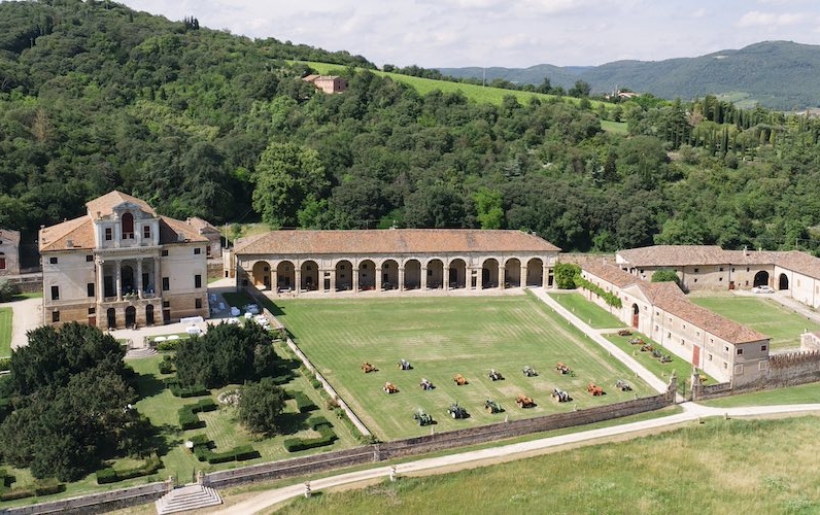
x: 523, y: 273
x: 100, y: 281
x: 297, y: 274
x: 355, y: 280
x: 378, y: 278
x: 274, y: 277
x: 423, y: 278
x: 545, y: 277
x: 479, y: 277
x: 502, y: 276
x: 158, y: 276
x: 401, y: 278
x: 446, y: 274
x: 118, y: 265
x: 332, y: 281
x: 138, y: 279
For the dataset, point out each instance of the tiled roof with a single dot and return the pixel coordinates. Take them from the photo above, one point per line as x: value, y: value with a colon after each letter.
x: 171, y: 229
x: 611, y: 274
x: 393, y: 241
x: 79, y: 231
x: 687, y: 255
x: 201, y: 226
x: 7, y: 235
x: 799, y: 262
x: 105, y: 204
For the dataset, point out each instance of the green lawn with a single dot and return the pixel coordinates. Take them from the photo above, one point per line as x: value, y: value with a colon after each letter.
x: 783, y: 325
x: 5, y: 331
x: 682, y: 368
x: 589, y: 312
x: 719, y: 466
x: 802, y: 394
x: 442, y: 337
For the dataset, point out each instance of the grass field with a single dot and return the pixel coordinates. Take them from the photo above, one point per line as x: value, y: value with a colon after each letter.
x: 5, y: 331
x: 480, y: 94
x: 587, y: 311
x: 442, y: 337
x: 765, y: 315
x: 802, y: 394
x: 720, y: 467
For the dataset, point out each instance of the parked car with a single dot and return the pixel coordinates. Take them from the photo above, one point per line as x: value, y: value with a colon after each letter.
x: 762, y: 289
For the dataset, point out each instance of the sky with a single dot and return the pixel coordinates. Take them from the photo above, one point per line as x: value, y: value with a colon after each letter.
x: 510, y: 33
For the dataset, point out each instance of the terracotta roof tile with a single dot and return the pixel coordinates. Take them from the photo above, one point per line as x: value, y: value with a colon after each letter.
x: 611, y: 274
x: 9, y: 235
x: 392, y: 241
x: 170, y: 231
x: 687, y: 255
x: 799, y: 262
x: 79, y: 231
x: 105, y: 204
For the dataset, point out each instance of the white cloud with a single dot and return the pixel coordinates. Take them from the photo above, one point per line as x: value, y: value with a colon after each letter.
x: 769, y: 19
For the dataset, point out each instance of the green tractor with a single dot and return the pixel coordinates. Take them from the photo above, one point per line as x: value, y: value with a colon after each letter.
x: 492, y: 406
x: 457, y: 411
x: 422, y: 418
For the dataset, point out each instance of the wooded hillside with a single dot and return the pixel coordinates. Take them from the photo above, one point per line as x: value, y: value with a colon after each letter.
x: 94, y: 96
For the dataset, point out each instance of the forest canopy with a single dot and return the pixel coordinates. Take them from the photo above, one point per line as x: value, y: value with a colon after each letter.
x: 198, y: 122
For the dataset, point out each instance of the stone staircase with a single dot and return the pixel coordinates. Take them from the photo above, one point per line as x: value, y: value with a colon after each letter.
x: 142, y: 352
x: 190, y: 497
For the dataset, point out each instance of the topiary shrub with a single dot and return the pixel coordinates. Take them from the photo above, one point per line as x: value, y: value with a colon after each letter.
x: 327, y: 436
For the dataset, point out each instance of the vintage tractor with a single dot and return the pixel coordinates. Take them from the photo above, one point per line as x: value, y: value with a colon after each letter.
x: 456, y: 411
x: 636, y: 341
x: 666, y: 358
x: 623, y: 385
x: 565, y: 370
x: 524, y: 402
x: 367, y: 368
x: 529, y: 371
x: 560, y: 395
x: 405, y: 365
x: 595, y: 390
x: 423, y: 418
x: 495, y: 375
x: 624, y: 332
x: 492, y: 406
x: 657, y: 354
x: 390, y: 388
x: 426, y: 384
x: 647, y: 347
x: 459, y: 379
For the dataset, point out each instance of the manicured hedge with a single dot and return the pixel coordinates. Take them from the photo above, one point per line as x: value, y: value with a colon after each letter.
x: 185, y: 392
x: 109, y: 475
x: 303, y: 402
x: 327, y: 436
x: 45, y: 487
x: 203, y: 452
x: 187, y: 414
x: 166, y: 366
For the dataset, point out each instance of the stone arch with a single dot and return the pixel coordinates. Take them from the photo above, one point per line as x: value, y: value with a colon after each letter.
x: 310, y: 275
x: 636, y: 316
x: 435, y: 274
x: 260, y: 274
x: 285, y: 275
x: 111, y: 318
x: 344, y: 275
x: 457, y: 269
x: 412, y: 274
x: 761, y: 279
x: 512, y: 273
x: 535, y: 272
x: 149, y: 314
x: 127, y: 226
x: 367, y: 275
x: 130, y: 316
x: 489, y: 273
x: 783, y: 282
x: 390, y: 274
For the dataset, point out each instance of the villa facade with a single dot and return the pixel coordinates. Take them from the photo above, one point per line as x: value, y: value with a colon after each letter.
x: 9, y: 252
x: 726, y: 350
x: 122, y: 265
x: 394, y: 259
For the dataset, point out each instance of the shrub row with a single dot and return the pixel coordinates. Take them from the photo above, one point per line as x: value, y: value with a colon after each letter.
x: 187, y: 414
x: 202, y: 450
x: 168, y: 345
x: 166, y: 366
x: 110, y: 475
x: 327, y: 436
x: 45, y: 487
x: 610, y: 298
x: 185, y: 391
x: 5, y: 364
x: 303, y: 402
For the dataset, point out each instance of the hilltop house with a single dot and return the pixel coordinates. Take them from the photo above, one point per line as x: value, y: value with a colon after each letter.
x: 726, y: 350
x: 122, y: 265
x: 9, y: 252
x: 328, y: 83
x: 394, y: 259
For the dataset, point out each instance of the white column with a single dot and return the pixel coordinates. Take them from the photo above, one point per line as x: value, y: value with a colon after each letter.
x: 100, y: 293
x: 401, y: 278
x: 139, y: 278
x: 118, y: 265
x: 479, y: 281
x: 423, y: 278
x: 298, y: 275
x: 502, y: 276
x: 378, y: 278
x: 332, y: 281
x: 446, y: 274
x: 523, y: 279
x: 355, y: 280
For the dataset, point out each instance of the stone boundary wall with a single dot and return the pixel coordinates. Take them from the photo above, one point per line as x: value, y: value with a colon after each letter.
x: 96, y: 503
x: 434, y: 442
x: 28, y: 283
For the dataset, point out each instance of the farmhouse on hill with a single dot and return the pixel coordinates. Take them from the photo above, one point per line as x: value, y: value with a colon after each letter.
x: 122, y: 265
x: 394, y: 259
x: 328, y: 83
x: 9, y: 252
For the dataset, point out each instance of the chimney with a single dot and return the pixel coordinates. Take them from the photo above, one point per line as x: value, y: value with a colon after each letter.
x: 745, y: 250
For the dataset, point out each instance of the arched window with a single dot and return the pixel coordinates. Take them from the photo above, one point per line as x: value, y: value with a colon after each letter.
x: 128, y: 226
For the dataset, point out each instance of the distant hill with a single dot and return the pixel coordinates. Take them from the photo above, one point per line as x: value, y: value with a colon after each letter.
x: 777, y: 74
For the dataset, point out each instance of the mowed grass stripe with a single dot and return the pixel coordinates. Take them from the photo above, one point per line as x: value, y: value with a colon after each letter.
x: 442, y: 337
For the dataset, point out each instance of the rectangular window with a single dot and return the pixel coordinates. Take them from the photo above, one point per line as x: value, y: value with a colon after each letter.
x: 55, y: 316
x: 197, y: 281
x: 92, y: 311
x: 146, y: 232
x: 198, y: 303
x: 2, y: 263
x: 164, y: 253
x: 90, y: 289
x: 721, y: 269
x: 108, y: 234
x: 710, y: 357
x: 52, y: 260
x: 696, y: 279
x: 89, y: 259
x: 697, y: 270
x: 763, y: 348
x: 55, y: 293
x: 208, y: 251
x: 739, y: 352
x: 166, y: 303
x: 197, y: 251
x: 166, y: 284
